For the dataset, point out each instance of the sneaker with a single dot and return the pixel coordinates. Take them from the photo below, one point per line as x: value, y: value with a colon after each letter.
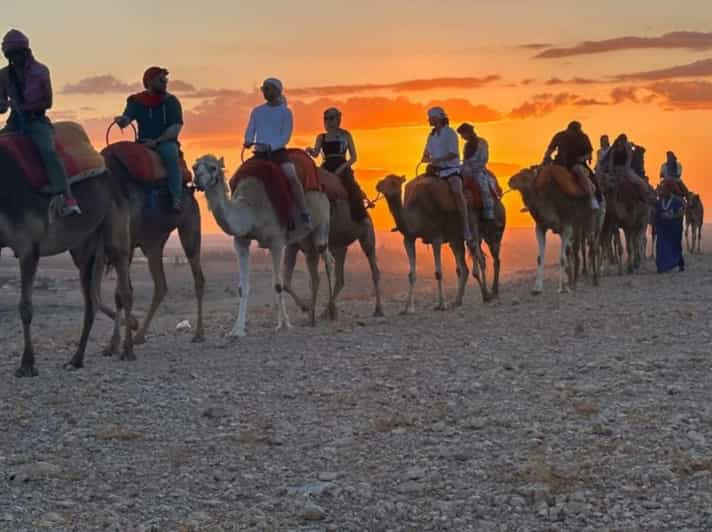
x: 594, y: 204
x: 70, y: 207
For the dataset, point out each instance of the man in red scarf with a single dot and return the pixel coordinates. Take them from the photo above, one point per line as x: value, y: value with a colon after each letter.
x: 26, y: 89
x: 160, y: 119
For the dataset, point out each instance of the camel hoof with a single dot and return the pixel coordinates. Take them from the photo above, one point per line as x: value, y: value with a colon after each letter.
x: 74, y: 365
x: 537, y: 292
x: 238, y: 333
x: 139, y: 339
x: 454, y: 304
x: 109, y: 352
x: 378, y: 313
x: 26, y: 372
x: 198, y: 338
x: 564, y: 290
x: 407, y: 310
x: 129, y: 356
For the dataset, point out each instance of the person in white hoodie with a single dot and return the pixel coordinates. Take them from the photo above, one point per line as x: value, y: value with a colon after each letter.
x: 269, y: 131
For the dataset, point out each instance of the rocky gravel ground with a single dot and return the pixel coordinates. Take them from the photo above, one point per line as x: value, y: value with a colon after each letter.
x: 585, y: 411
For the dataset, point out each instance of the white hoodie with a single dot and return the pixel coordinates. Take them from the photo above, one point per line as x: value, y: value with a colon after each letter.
x: 270, y: 125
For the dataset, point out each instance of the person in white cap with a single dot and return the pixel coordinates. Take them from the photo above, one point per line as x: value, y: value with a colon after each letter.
x: 442, y: 153
x: 269, y: 131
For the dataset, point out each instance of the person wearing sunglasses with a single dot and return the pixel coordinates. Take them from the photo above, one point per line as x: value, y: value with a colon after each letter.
x: 339, y: 155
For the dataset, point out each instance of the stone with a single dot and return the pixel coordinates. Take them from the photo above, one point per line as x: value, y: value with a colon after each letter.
x: 313, y: 512
x: 183, y: 326
x: 415, y: 473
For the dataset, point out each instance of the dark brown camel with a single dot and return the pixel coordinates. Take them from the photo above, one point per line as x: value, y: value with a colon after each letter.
x: 150, y: 232
x: 98, y: 236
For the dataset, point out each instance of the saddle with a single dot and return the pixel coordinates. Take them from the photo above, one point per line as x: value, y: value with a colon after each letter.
x: 143, y: 164
x: 674, y: 186
x: 567, y: 182
x: 276, y: 182
x: 81, y: 161
x: 426, y: 189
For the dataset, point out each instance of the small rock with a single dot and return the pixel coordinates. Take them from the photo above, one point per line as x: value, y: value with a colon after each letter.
x: 475, y: 423
x: 313, y: 512
x: 183, y: 326
x: 215, y: 412
x: 328, y: 476
x: 415, y: 473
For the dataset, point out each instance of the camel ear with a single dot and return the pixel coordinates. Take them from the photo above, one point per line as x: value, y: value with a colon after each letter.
x: 401, y: 178
x: 222, y: 162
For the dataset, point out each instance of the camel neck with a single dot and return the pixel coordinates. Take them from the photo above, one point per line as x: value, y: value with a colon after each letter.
x: 395, y: 205
x: 220, y: 204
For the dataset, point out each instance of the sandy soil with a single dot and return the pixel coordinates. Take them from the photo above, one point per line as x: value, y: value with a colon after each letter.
x: 585, y: 411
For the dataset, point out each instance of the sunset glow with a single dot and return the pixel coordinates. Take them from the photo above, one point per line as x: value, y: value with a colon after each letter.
x: 518, y: 71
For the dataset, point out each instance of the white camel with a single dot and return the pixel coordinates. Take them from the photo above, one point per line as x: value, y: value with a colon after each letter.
x: 249, y: 215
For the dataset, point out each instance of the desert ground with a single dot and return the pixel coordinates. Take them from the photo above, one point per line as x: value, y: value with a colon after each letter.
x: 590, y: 410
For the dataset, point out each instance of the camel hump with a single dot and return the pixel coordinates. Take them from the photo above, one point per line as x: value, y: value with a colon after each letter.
x: 80, y: 159
x: 142, y: 164
x: 566, y: 181
x: 331, y: 185
x: 306, y: 169
x: 428, y: 191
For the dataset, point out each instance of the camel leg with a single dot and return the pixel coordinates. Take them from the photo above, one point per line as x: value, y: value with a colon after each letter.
x: 368, y: 245
x: 190, y: 239
x: 282, y: 317
x: 124, y: 300
x: 458, y: 250
x: 687, y: 236
x: 437, y: 258
x: 90, y: 264
x: 101, y: 307
x: 329, y: 264
x: 630, y: 251
x: 290, y: 261
x: 494, y: 248
x: 479, y: 270
x: 242, y: 247
x: 339, y: 254
x: 541, y: 241
x: 410, y: 251
x: 564, y: 274
x: 312, y: 260
x: 154, y: 254
x: 699, y: 238
x: 28, y: 270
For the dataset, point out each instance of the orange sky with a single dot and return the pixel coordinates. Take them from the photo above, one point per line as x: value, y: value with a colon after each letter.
x: 518, y: 72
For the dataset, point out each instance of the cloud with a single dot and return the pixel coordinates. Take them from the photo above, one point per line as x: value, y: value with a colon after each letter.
x: 527, y: 81
x: 683, y: 95
x: 535, y: 46
x: 546, y: 103
x: 697, y: 69
x: 572, y: 81
x: 414, y: 85
x: 625, y: 94
x: 689, y: 40
x: 107, y: 83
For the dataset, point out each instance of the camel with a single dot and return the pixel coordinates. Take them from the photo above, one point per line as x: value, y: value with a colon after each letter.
x: 694, y: 217
x: 491, y: 232
x: 629, y: 213
x: 249, y: 215
x: 344, y: 231
x: 149, y: 232
x: 421, y: 218
x: 571, y: 218
x: 99, y: 235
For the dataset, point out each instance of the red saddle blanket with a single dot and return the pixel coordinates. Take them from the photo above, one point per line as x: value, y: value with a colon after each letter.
x: 473, y: 192
x: 275, y: 181
x: 143, y: 164
x: 674, y: 186
x: 434, y: 190
x: 80, y: 159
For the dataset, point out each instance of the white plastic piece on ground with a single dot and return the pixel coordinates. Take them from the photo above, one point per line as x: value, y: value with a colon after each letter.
x: 183, y: 326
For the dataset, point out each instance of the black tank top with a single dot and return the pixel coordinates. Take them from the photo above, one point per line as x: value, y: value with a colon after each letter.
x: 334, y: 153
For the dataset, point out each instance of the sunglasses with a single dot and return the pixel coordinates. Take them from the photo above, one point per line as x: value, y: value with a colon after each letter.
x: 331, y: 117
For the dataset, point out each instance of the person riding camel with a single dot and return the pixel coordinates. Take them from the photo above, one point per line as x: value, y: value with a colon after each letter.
x: 334, y: 144
x: 26, y: 89
x: 602, y: 154
x: 672, y: 170
x: 443, y: 158
x: 620, y: 160
x: 160, y: 119
x: 269, y: 131
x: 573, y: 151
x: 638, y: 162
x: 475, y: 156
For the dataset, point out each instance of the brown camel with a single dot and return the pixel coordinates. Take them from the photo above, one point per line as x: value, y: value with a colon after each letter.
x: 491, y: 232
x: 249, y: 215
x: 422, y: 218
x: 628, y: 211
x: 344, y: 231
x: 571, y: 218
x: 150, y: 231
x: 694, y: 218
x: 98, y: 236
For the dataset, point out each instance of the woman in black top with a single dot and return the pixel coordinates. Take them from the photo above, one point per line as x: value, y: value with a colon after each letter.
x: 335, y: 144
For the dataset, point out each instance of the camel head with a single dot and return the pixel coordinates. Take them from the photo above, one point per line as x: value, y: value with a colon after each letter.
x: 524, y: 179
x: 391, y: 185
x: 208, y: 172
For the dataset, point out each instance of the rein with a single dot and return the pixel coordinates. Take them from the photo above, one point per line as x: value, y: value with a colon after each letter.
x: 108, y: 130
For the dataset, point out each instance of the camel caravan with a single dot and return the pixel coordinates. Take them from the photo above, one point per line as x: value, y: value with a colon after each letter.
x: 61, y: 194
